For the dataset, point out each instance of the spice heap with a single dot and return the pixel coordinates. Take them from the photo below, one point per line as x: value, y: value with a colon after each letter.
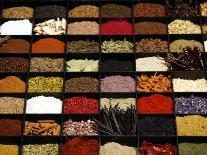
x: 42, y: 128
x: 116, y: 148
x: 149, y: 10
x: 117, y: 83
x: 191, y: 105
x: 154, y: 83
x: 179, y: 45
x: 157, y: 126
x: 82, y: 84
x: 184, y: 85
x: 10, y: 127
x: 11, y: 105
x: 9, y: 149
x: 192, y: 125
x: 179, y: 26
x: 151, y: 64
x: 51, y: 27
x: 82, y: 65
x: 84, y: 11
x: 115, y: 11
x: 46, y: 64
x: 150, y: 28
x: 122, y: 103
x: 205, y: 45
x: 80, y: 146
x: 50, y: 11
x: 82, y: 128
x: 40, y: 104
x: 43, y: 149
x: 192, y: 148
x: 182, y: 8
x: 45, y: 84
x: 203, y: 9
x: 83, y: 46
x: 18, y: 12
x: 164, y: 149
x: 81, y: 105
x: 111, y: 65
x: 189, y: 59
x: 12, y: 84
x: 83, y: 28
x: 204, y: 28
x: 14, y: 45
x: 117, y: 122
x: 117, y: 27
x: 13, y: 64
x: 117, y: 46
x: 155, y: 104
x: 48, y: 45
x: 151, y: 45
x: 22, y: 27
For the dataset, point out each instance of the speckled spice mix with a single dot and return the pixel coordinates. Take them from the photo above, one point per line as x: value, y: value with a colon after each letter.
x: 18, y: 12
x: 6, y: 149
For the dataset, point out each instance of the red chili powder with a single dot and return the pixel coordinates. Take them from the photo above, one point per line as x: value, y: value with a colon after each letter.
x: 79, y: 146
x: 81, y: 105
x: 155, y: 104
x: 117, y: 27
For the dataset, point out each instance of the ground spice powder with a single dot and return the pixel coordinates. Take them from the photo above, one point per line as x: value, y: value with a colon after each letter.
x: 10, y: 127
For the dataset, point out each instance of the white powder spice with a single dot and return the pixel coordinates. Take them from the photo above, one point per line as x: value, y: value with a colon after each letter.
x: 183, y: 85
x: 18, y: 27
x: 205, y: 45
x: 151, y: 64
x: 44, y: 105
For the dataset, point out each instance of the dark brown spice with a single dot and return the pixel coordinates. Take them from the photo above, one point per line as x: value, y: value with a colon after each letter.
x: 10, y: 127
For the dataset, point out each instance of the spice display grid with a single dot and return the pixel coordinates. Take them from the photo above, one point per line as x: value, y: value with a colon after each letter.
x: 137, y: 139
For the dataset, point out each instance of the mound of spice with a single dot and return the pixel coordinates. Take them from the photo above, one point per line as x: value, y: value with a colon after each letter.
x: 192, y: 125
x: 149, y: 10
x: 83, y: 28
x: 80, y: 146
x: 48, y: 45
x: 82, y: 84
x: 122, y: 103
x: 154, y: 83
x: 185, y: 85
x: 117, y: 122
x: 155, y: 104
x: 117, y: 46
x: 46, y: 64
x: 12, y: 84
x: 84, y: 11
x: 117, y: 27
x: 151, y: 45
x: 18, y: 12
x: 115, y: 11
x: 192, y: 148
x: 41, y: 128
x: 81, y: 105
x: 45, y: 84
x: 40, y: 104
x: 50, y: 11
x: 179, y: 45
x: 13, y: 64
x: 164, y: 149
x: 150, y: 28
x: 116, y: 148
x: 179, y: 26
x: 117, y: 84
x: 157, y: 126
x: 43, y: 149
x: 204, y: 28
x: 191, y: 105
x: 9, y: 149
x: 10, y: 127
x: 83, y: 46
x: 111, y: 65
x: 11, y: 105
x: 82, y: 128
x: 203, y: 9
x: 8, y: 45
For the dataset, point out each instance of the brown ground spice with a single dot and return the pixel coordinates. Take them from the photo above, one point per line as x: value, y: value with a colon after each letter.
x: 10, y: 127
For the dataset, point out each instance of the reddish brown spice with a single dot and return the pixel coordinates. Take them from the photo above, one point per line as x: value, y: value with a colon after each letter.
x: 155, y: 104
